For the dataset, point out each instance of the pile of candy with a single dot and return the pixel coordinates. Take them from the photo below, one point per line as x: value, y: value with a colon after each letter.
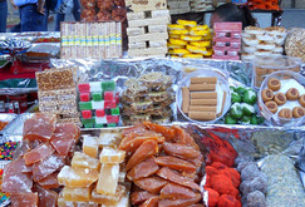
x: 243, y: 109
x: 99, y: 104
x: 7, y: 150
x: 189, y: 40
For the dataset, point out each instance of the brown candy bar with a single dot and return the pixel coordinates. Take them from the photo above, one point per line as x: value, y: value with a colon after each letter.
x: 302, y: 100
x: 298, y: 112
x: 202, y: 115
x: 203, y: 108
x: 209, y: 102
x: 185, y: 99
x: 196, y: 80
x: 267, y: 95
x: 272, y: 106
x: 274, y: 84
x: 285, y: 113
x: 292, y: 94
x: 280, y: 99
x: 202, y: 87
x: 201, y: 95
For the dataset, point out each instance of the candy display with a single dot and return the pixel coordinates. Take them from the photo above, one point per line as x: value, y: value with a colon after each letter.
x: 97, y: 10
x: 281, y: 98
x: 91, y: 40
x: 295, y: 42
x: 99, y: 104
x: 278, y: 178
x: 243, y: 109
x: 258, y: 42
x: 227, y: 40
x: 147, y: 98
x: 264, y: 5
x: 57, y: 93
x: 147, y: 32
x: 264, y: 66
x: 203, y: 97
x: 178, y: 6
x: 164, y: 170
x: 40, y: 156
x: 189, y: 40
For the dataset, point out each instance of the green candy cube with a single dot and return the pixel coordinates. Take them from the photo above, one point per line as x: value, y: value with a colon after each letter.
x: 111, y: 125
x: 99, y: 125
x: 97, y: 96
x: 108, y: 85
x: 88, y: 121
x: 88, y: 125
x: 85, y: 106
x: 115, y: 111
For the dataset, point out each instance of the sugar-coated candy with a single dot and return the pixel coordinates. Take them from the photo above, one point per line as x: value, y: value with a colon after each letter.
x: 144, y: 169
x: 90, y: 146
x: 63, y: 145
x: 47, y: 198
x: 108, y: 139
x: 100, y: 112
x: 76, y: 194
x: 15, y: 178
x: 84, y: 97
x: 88, y: 121
x: 84, y: 88
x: 77, y: 178
x: 38, y: 154
x: 250, y: 171
x: 256, y: 184
x: 111, y: 125
x: 108, y: 96
x: 101, y: 120
x: 7, y: 150
x: 174, y: 191
x: 29, y: 199
x: 46, y: 167
x: 63, y: 130
x: 256, y: 199
x: 40, y: 126
x: 63, y: 203
x: 89, y: 126
x: 108, y: 179
x: 109, y: 199
x: 87, y: 114
x: 97, y: 104
x: 108, y: 85
x: 124, y: 202
x: 112, y: 119
x: 115, y: 111
x: 151, y: 184
x: 85, y: 105
x: 110, y: 155
x: 97, y: 96
x: 95, y: 87
x: 81, y: 160
x: 49, y: 182
x: 109, y: 104
x: 138, y: 197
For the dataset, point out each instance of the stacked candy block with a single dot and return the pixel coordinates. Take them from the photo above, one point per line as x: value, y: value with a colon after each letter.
x: 227, y: 40
x: 95, y: 177
x: 189, y: 40
x: 99, y: 104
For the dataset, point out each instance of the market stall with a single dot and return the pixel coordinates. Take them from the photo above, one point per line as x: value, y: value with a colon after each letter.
x: 218, y: 122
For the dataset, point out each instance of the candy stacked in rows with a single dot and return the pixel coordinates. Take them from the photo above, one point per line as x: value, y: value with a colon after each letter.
x: 258, y: 42
x: 227, y: 40
x: 189, y: 40
x: 99, y: 104
x: 57, y: 93
x: 94, y: 177
x: 147, y: 98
